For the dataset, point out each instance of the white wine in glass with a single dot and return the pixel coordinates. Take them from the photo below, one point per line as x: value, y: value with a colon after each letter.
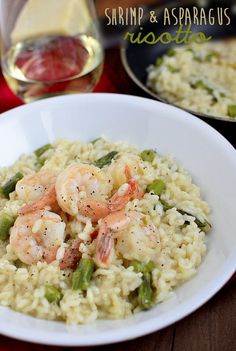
x: 50, y: 47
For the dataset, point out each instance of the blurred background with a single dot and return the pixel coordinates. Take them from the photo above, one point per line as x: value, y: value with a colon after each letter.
x: 41, y: 57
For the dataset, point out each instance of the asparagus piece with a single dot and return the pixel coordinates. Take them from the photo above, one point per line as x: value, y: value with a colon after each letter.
x: 145, y: 289
x: 204, y: 226
x: 82, y: 276
x: 148, y: 155
x: 53, y: 294
x: 105, y: 160
x: 171, y: 52
x: 232, y: 111
x: 138, y: 266
x: 173, y: 69
x: 10, y: 185
x: 39, y: 152
x: 201, y: 85
x: 211, y: 55
x: 95, y: 140
x: 145, y: 292
x: 165, y: 205
x: 6, y: 222
x: 159, y: 61
x: 158, y: 186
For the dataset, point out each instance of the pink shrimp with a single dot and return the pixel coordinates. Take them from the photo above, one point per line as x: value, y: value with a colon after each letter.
x: 137, y: 238
x: 38, y: 191
x: 47, y: 200
x: 37, y: 236
x: 114, y: 222
x: 83, y: 189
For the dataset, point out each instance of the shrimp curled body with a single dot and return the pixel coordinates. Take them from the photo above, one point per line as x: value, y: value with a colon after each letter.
x: 136, y: 236
x: 113, y: 223
x: 37, y: 236
x: 86, y: 189
x: 38, y: 191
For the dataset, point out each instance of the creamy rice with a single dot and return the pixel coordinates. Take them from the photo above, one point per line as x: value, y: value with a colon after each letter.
x: 112, y: 292
x: 201, y: 77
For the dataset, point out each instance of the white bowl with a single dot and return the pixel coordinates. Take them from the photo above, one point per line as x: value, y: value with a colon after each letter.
x: 198, y: 148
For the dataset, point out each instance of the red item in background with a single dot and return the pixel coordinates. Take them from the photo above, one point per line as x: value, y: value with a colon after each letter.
x: 113, y: 80
x: 8, y: 100
x: 54, y: 59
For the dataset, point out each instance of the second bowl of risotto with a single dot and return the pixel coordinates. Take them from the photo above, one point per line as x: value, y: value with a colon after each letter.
x: 110, y: 218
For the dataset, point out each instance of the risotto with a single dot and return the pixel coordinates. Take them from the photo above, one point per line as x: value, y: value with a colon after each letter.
x: 96, y: 231
x: 200, y: 77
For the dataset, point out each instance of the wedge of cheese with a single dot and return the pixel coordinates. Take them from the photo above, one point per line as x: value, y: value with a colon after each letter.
x: 51, y: 17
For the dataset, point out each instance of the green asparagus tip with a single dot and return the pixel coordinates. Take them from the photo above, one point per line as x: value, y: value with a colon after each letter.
x: 6, y: 222
x: 10, y: 185
x: 39, y: 152
x: 138, y: 266
x: 53, y: 294
x: 105, y: 160
x: 171, y: 52
x: 159, y: 61
x: 83, y: 274
x: 157, y: 187
x: 232, y: 111
x: 145, y: 292
x: 149, y: 267
x: 205, y: 226
x: 95, y: 140
x: 148, y: 155
x: 201, y: 85
x: 145, y: 289
x: 210, y: 56
x: 165, y: 205
x: 142, y: 267
x: 173, y: 69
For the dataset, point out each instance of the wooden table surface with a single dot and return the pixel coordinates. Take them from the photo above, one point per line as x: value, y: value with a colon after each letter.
x: 210, y: 328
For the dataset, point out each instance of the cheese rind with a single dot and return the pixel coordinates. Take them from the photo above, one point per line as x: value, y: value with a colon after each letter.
x: 51, y: 17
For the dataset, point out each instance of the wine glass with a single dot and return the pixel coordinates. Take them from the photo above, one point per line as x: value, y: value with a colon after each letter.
x: 50, y: 47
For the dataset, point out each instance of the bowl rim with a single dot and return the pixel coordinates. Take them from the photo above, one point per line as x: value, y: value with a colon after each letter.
x: 144, y: 327
x: 123, y: 50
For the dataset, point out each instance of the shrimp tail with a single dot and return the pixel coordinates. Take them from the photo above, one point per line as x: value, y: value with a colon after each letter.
x: 131, y: 191
x: 105, y: 244
x: 105, y: 240
x: 120, y: 199
x: 94, y: 209
x: 48, y: 200
x: 128, y: 173
x: 135, y: 191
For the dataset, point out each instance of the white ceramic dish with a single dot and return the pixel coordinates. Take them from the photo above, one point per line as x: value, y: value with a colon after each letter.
x: 149, y: 124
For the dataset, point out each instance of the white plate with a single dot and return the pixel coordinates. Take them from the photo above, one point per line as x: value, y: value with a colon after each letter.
x: 198, y: 148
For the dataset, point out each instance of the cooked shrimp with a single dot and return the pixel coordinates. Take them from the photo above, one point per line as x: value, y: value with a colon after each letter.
x: 126, y: 160
x: 84, y: 189
x: 79, y: 182
x: 47, y: 201
x: 140, y: 240
x: 37, y: 236
x: 114, y: 222
x: 38, y: 191
x: 33, y: 186
x: 136, y: 238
